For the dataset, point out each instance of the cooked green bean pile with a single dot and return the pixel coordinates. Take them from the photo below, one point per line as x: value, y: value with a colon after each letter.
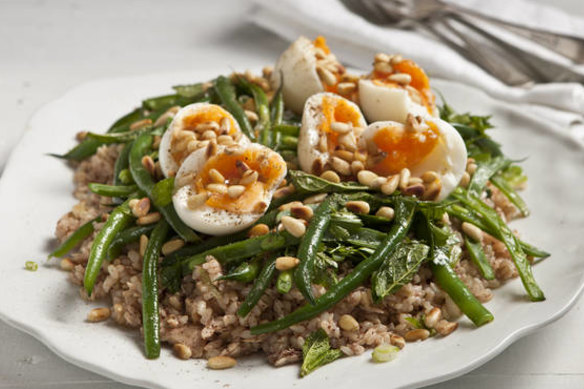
x: 385, y: 246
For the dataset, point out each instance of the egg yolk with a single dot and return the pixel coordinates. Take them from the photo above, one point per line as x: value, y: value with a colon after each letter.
x: 270, y: 168
x: 420, y: 81
x: 211, y: 113
x: 336, y: 110
x: 403, y: 148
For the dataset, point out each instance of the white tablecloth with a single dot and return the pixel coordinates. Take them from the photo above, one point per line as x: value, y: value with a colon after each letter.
x: 48, y: 47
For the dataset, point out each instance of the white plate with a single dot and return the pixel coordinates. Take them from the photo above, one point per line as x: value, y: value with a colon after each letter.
x: 36, y: 190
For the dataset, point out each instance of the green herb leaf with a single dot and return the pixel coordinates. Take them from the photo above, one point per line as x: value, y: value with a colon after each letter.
x: 162, y: 192
x: 309, y: 183
x: 317, y: 352
x: 485, y: 171
x: 398, y: 269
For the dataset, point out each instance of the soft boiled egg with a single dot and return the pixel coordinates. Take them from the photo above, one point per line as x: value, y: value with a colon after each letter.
x: 306, y: 68
x: 430, y: 148
x: 329, y: 136
x: 395, y: 88
x: 193, y: 128
x: 228, y: 191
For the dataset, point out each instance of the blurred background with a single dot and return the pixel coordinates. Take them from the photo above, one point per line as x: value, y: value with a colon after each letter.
x: 47, y: 47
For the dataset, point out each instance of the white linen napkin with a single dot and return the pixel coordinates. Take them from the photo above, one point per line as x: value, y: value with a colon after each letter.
x: 355, y: 40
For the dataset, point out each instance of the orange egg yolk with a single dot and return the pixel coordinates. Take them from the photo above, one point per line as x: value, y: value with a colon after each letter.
x: 420, y: 81
x: 403, y: 148
x: 336, y: 110
x: 270, y: 168
x: 212, y: 113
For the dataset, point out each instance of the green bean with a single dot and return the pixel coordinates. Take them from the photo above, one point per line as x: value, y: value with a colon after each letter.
x: 262, y: 108
x: 245, y: 272
x: 74, y: 239
x: 125, y: 177
x: 479, y: 259
x: 121, y: 165
x: 119, y: 218
x: 166, y: 101
x: 150, y: 315
x: 190, y: 90
x: 126, y: 237
x: 112, y: 190
x: 259, y: 287
x: 226, y: 92
x: 459, y: 293
x: 484, y: 172
x: 288, y: 143
x: 287, y: 129
x: 83, y: 150
x: 511, y: 194
x: 309, y: 245
x: 118, y: 137
x: 403, y: 220
x: 126, y: 120
x: 277, y: 108
x: 284, y: 281
x: 490, y: 218
x: 144, y: 181
x: 162, y: 192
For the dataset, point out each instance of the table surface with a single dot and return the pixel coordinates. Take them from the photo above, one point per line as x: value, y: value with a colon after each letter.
x: 49, y: 47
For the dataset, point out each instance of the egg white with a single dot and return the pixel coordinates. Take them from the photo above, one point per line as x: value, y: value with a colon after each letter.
x: 309, y: 136
x: 447, y: 159
x: 205, y: 218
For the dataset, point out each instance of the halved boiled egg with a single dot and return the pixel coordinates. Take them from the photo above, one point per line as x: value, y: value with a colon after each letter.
x: 228, y: 191
x: 430, y: 148
x: 306, y: 68
x: 331, y: 126
x: 395, y: 88
x: 193, y: 128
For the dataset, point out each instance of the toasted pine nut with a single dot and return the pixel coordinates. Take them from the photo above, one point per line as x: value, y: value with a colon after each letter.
x: 348, y: 323
x: 249, y: 177
x: 287, y: 206
x: 67, y: 264
x: 294, y: 226
x: 217, y: 188
x: 152, y: 217
x: 258, y: 230
x: 315, y: 199
x: 172, y: 245
x: 366, y: 177
x: 397, y: 341
x: 156, y: 141
x: 81, y: 135
x: 140, y: 124
x: 381, y: 57
x: 286, y: 263
x: 415, y: 180
x: 344, y: 88
x: 465, y: 180
x: 341, y: 166
x: 148, y: 164
x: 357, y: 166
x: 326, y: 76
x: 417, y: 334
x: 282, y: 192
x: 340, y: 127
x: 195, y: 201
x: 391, y: 185
x: 416, y: 190
x: 472, y: 232
x: 209, y: 134
x: 140, y: 207
x: 182, y: 351
x: 234, y: 191
x: 404, y: 178
x: 395, y: 59
x: 143, y: 244
x: 98, y: 314
x: 432, y: 317
x: 383, y: 67
x: 331, y: 176
x: 378, y: 182
x: 251, y: 115
x: 345, y: 155
x: 471, y: 168
x: 221, y: 362
x: 432, y: 190
x: 386, y: 212
x: 358, y: 207
x: 445, y: 327
x: 401, y: 78
x: 302, y: 212
x: 225, y: 140
x: 216, y: 176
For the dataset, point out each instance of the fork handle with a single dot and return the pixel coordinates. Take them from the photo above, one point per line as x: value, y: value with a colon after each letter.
x: 568, y: 46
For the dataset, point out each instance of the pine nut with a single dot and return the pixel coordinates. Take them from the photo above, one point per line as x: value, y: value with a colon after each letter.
x: 340, y: 127
x: 432, y: 317
x: 319, y: 53
x: 260, y: 207
x: 341, y: 166
x: 395, y: 59
x: 430, y: 176
x: 208, y: 135
x: 143, y: 244
x: 381, y: 57
x: 445, y: 220
x: 383, y: 67
x: 322, y: 144
x: 386, y: 212
x: 195, y: 201
x: 401, y: 78
x: 182, y: 351
x: 258, y: 230
x: 331, y: 176
x: 234, y: 191
x: 225, y: 140
x: 67, y: 264
x: 471, y: 168
x: 345, y: 88
x: 432, y: 190
x: 140, y: 207
x: 221, y: 362
x: 148, y: 164
x: 472, y: 231
x: 465, y: 180
x: 348, y: 323
x: 360, y: 156
x: 217, y: 188
x: 98, y: 314
x: 358, y: 207
x: 140, y: 124
x: 294, y: 226
x: 302, y: 212
x: 251, y: 115
x: 81, y: 135
x: 417, y: 334
x: 288, y: 206
x: 152, y: 217
x: 225, y: 126
x: 404, y: 178
x: 445, y: 327
x: 345, y: 155
x: 326, y: 76
x: 249, y: 177
x: 286, y: 263
x: 397, y: 341
x: 282, y: 192
x: 378, y: 182
x: 416, y: 190
x: 366, y: 177
x: 315, y: 199
x: 156, y: 141
x: 207, y: 126
x: 348, y: 141
x: 172, y: 245
x: 391, y: 185
x: 415, y: 180
x: 357, y: 166
x: 216, y: 176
